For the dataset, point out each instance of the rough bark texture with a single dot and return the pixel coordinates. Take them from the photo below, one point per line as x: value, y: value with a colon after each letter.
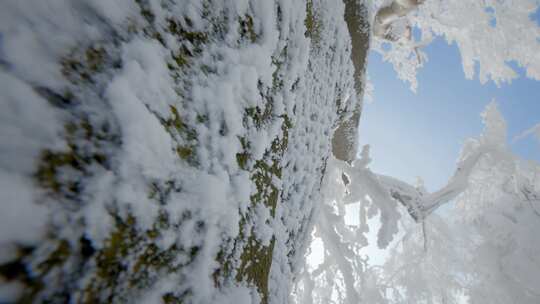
x: 344, y: 142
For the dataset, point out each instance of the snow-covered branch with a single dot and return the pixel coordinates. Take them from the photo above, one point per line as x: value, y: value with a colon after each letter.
x: 495, y: 35
x: 420, y: 204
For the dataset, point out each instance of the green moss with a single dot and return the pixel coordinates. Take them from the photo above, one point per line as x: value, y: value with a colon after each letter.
x: 263, y: 177
x: 242, y: 160
x: 152, y: 258
x: 184, y: 152
x: 112, y: 261
x: 176, y: 123
x: 243, y: 157
x: 176, y: 297
x: 161, y: 224
x: 48, y: 168
x: 192, y: 43
x: 256, y: 261
x: 57, y: 258
x: 95, y: 58
x: 312, y: 23
x: 111, y: 258
x: 279, y: 145
x: 202, y: 119
x: 194, y: 37
x: 128, y: 257
x: 77, y: 159
x: 260, y: 116
x: 181, y: 59
x: 82, y: 66
x: 255, y: 258
x: 131, y: 258
x: 247, y: 29
x: 182, y: 133
x: 170, y: 298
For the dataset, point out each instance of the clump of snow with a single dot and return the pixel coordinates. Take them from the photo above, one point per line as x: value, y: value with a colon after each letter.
x: 23, y: 137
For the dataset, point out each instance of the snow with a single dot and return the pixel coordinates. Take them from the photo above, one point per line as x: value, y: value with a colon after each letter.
x: 22, y: 220
x: 24, y: 137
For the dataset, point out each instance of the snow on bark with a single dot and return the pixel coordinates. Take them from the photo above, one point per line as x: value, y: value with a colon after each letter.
x: 165, y: 151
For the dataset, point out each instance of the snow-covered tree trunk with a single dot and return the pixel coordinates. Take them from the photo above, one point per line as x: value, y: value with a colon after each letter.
x: 165, y: 151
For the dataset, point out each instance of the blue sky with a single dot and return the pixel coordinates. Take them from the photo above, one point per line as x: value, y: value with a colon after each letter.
x: 421, y: 134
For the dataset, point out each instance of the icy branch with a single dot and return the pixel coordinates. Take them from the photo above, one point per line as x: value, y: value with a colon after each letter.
x: 419, y: 204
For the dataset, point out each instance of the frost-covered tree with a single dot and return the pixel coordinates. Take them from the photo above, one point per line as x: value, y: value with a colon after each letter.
x: 492, y: 35
x: 484, y: 250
